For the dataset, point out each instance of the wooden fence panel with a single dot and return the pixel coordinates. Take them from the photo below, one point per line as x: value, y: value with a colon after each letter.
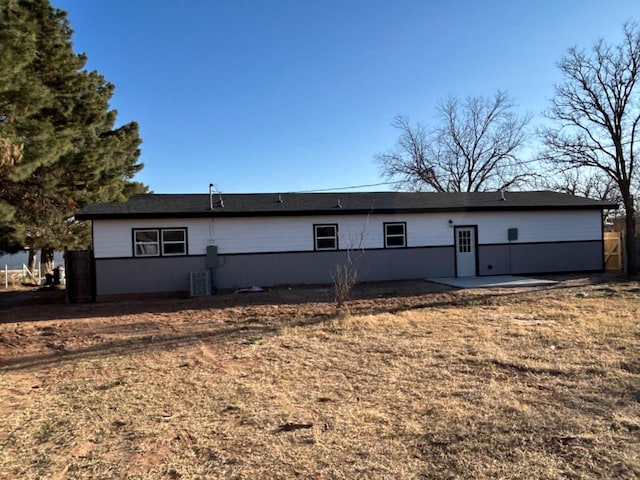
x: 612, y: 251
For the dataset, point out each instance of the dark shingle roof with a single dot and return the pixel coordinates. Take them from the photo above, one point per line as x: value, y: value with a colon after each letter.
x: 287, y: 204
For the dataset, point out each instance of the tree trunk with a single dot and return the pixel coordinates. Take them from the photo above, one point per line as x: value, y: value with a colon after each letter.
x: 630, y: 233
x: 46, y: 260
x: 31, y: 264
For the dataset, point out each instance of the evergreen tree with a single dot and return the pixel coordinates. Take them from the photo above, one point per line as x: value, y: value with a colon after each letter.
x: 37, y: 65
x: 59, y: 148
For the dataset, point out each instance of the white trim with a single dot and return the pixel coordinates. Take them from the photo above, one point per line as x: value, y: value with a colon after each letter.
x: 182, y: 242
x: 402, y: 235
x: 317, y: 238
x: 145, y: 244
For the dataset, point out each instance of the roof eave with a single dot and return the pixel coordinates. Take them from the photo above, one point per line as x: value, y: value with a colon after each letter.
x: 217, y: 213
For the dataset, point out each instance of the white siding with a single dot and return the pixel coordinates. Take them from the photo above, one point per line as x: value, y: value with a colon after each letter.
x: 550, y: 226
x: 243, y: 235
x: 113, y: 238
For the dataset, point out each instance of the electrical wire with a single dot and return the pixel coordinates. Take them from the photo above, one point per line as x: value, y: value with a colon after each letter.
x: 349, y: 187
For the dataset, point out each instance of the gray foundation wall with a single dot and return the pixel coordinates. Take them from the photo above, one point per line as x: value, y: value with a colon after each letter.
x: 319, y: 267
x: 116, y: 276
x: 171, y: 274
x: 540, y: 258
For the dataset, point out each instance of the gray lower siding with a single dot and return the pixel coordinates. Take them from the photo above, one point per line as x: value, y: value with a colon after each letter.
x: 319, y: 267
x: 151, y: 275
x: 147, y: 275
x: 540, y: 258
x: 116, y: 276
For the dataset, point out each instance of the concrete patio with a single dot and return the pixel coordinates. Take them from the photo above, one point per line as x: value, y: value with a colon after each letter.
x: 497, y: 281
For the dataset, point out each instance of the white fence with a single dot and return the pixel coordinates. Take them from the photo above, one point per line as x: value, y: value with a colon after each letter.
x: 14, y: 270
x: 12, y: 277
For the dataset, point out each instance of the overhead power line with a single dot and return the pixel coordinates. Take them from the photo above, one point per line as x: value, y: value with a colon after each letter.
x: 349, y: 187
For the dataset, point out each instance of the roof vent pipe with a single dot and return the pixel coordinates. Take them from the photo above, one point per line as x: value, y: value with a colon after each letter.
x: 221, y: 201
x: 339, y: 205
x: 211, y: 196
x: 280, y: 199
x: 502, y: 195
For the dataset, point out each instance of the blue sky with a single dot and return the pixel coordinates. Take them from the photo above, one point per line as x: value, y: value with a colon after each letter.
x: 296, y: 95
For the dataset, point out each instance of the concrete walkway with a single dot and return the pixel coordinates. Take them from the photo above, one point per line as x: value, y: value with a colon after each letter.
x: 497, y: 281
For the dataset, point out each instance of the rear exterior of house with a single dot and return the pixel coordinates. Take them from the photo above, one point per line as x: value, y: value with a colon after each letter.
x: 153, y: 242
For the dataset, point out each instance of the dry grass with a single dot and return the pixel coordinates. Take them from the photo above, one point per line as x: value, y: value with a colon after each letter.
x: 526, y: 384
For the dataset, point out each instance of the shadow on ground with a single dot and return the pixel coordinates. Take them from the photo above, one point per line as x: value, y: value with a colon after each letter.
x: 132, y: 326
x: 34, y: 305
x: 45, y: 305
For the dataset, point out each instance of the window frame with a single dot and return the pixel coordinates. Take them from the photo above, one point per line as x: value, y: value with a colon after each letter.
x: 161, y: 242
x: 464, y: 241
x: 316, y: 226
x: 385, y: 225
x: 173, y: 242
x: 136, y: 243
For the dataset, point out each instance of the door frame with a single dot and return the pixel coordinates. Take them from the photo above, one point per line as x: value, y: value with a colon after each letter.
x: 475, y: 247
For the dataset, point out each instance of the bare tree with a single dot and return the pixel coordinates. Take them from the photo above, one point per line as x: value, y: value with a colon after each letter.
x: 588, y: 183
x: 585, y: 182
x: 597, y: 113
x: 345, y: 274
x: 472, y: 148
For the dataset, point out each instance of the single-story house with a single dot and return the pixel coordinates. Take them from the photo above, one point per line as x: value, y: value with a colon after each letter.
x: 153, y: 242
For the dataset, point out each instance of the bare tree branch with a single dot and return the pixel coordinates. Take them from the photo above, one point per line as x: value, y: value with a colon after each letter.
x: 597, y: 112
x: 472, y: 148
x: 590, y: 183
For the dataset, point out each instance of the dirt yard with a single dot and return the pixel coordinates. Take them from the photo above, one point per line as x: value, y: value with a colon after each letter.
x: 417, y: 381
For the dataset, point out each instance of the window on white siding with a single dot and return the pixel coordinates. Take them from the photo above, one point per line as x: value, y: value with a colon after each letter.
x: 174, y: 242
x: 326, y: 237
x: 146, y: 243
x: 156, y: 242
x: 395, y: 235
x: 464, y: 241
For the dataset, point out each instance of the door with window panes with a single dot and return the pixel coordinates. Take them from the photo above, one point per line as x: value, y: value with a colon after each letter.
x: 465, y: 241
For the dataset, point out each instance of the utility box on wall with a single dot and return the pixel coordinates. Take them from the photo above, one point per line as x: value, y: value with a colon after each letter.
x: 512, y: 234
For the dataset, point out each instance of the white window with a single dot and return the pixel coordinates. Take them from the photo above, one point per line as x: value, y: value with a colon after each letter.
x: 146, y: 243
x: 159, y: 242
x: 395, y: 235
x: 174, y: 242
x: 326, y: 237
x: 464, y: 241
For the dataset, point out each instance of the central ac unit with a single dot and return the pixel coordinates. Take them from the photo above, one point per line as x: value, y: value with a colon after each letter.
x: 199, y: 284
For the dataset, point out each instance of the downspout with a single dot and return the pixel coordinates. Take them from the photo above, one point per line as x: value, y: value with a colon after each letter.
x: 212, y: 248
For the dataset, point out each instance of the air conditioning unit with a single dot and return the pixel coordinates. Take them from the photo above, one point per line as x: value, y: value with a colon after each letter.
x: 199, y: 284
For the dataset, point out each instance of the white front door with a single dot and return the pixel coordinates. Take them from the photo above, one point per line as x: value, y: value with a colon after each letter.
x: 465, y: 251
